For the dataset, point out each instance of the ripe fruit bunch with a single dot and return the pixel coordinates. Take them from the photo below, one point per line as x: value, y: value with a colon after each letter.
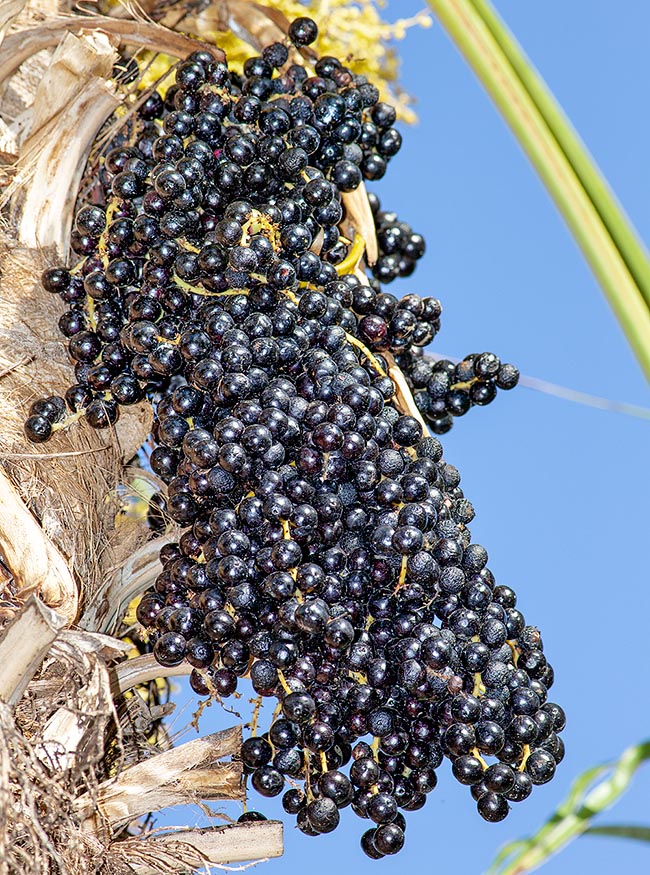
x: 443, y: 389
x: 325, y: 553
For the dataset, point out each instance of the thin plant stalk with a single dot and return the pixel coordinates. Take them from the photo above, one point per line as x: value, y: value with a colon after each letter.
x: 592, y: 792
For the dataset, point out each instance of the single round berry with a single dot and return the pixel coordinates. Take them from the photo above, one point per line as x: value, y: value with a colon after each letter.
x: 389, y: 838
x: 267, y: 781
x: 251, y: 817
x: 323, y: 815
x: 38, y: 429
x: 303, y: 31
x: 540, y: 765
x: 492, y: 807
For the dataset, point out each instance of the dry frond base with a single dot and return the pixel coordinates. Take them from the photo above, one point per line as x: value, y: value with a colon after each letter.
x: 49, y: 748
x: 63, y: 810
x: 71, y: 486
x: 37, y: 825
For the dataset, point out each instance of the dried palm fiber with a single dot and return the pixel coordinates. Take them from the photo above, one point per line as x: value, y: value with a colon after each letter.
x: 71, y: 487
x: 22, y: 43
x: 35, y: 810
x: 67, y: 490
x: 58, y: 811
x: 51, y: 743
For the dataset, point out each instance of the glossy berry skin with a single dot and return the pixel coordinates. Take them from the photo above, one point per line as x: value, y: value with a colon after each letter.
x: 303, y: 31
x: 490, y: 737
x: 460, y: 739
x: 492, y: 807
x: 169, y: 649
x: 499, y: 778
x: 368, y: 845
x: 251, y: 817
x: 101, y: 414
x: 256, y: 752
x: 224, y: 682
x: 323, y: 815
x: 293, y: 801
x: 468, y: 770
x: 521, y: 789
x: 55, y: 280
x: 364, y: 772
x: 389, y: 838
x: 267, y: 781
x: 540, y: 766
x: 298, y: 707
x: 336, y: 786
x: 199, y: 653
x: 382, y: 808
x: 38, y: 429
x: 557, y: 714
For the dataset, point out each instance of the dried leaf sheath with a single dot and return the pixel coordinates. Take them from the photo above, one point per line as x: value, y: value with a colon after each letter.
x: 203, y: 847
x: 17, y: 47
x: 72, y: 102
x: 23, y: 646
x: 191, y: 771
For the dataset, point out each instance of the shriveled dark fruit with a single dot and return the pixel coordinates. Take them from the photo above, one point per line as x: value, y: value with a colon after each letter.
x: 323, y: 815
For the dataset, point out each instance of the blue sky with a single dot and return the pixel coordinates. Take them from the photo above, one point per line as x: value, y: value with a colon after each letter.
x: 561, y: 491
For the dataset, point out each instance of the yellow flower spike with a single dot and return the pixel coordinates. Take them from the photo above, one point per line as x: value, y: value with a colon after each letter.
x: 476, y: 752
x: 90, y: 309
x: 259, y: 223
x: 515, y: 651
x: 283, y: 682
x: 258, y: 703
x: 286, y: 534
x: 113, y: 205
x: 402, y: 575
x: 364, y: 349
x: 68, y: 421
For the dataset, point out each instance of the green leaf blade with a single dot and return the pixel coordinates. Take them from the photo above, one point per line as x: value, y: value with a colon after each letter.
x: 623, y: 831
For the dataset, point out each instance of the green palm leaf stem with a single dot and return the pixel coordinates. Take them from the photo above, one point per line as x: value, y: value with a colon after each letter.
x: 605, y: 235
